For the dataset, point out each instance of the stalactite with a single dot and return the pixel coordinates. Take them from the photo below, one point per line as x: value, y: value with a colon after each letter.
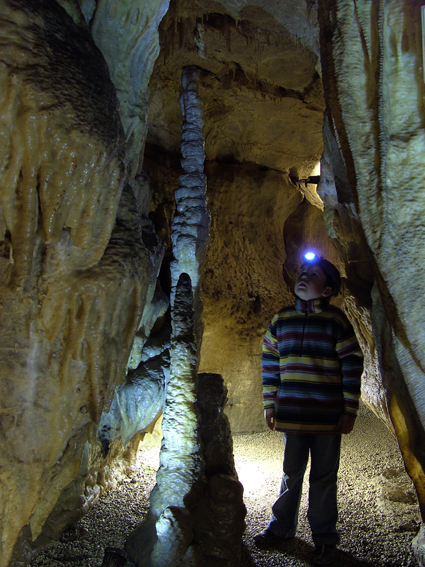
x: 191, y: 221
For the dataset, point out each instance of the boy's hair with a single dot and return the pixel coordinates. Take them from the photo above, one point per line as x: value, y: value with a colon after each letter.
x: 333, y: 278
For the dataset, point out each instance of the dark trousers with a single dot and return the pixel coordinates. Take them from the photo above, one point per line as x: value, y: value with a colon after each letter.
x: 322, y: 508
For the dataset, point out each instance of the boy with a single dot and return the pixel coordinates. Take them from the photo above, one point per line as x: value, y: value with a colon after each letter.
x: 311, y: 369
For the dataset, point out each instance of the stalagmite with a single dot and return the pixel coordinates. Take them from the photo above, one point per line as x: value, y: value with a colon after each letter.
x: 164, y: 538
x: 197, y: 513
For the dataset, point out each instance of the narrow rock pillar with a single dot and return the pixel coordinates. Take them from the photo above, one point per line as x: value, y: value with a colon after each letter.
x: 191, y: 223
x: 166, y: 537
x: 163, y: 540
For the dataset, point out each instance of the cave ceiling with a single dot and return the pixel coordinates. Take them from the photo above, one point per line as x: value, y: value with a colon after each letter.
x: 261, y: 90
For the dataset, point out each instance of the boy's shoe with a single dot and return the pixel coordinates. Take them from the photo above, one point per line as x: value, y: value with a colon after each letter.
x: 266, y: 537
x: 325, y: 555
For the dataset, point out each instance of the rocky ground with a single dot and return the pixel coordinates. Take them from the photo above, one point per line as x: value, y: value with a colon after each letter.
x: 378, y: 510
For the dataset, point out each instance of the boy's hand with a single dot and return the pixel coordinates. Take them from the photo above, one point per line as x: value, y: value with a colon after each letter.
x: 345, y: 424
x: 269, y: 417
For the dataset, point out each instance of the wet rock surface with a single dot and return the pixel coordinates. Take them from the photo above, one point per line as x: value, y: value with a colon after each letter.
x: 376, y: 526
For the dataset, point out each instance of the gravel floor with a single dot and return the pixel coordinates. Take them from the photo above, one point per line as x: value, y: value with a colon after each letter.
x: 378, y: 510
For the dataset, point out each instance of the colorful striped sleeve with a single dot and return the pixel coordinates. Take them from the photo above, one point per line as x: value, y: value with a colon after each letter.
x: 270, y: 366
x: 351, y: 359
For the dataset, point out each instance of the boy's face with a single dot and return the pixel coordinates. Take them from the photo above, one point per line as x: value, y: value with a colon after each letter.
x: 311, y: 283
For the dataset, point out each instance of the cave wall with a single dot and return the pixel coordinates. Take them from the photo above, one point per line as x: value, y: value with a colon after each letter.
x: 78, y: 263
x: 244, y: 285
x: 372, y: 65
x: 127, y: 35
x: 263, y: 113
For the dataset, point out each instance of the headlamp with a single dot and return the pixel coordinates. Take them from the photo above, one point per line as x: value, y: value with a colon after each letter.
x: 309, y: 256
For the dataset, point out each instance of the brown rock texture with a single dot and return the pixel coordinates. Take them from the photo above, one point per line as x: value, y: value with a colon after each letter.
x: 220, y: 512
x: 263, y: 111
x: 74, y: 268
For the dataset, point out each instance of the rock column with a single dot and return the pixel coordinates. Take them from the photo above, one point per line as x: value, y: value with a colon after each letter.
x: 191, y: 223
x: 164, y: 539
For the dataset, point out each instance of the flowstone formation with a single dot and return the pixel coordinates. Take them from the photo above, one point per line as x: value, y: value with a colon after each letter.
x: 78, y: 262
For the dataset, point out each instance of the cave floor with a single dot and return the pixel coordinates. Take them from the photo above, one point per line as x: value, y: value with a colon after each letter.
x: 378, y: 512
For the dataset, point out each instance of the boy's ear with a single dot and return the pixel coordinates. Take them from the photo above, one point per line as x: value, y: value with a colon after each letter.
x: 327, y: 292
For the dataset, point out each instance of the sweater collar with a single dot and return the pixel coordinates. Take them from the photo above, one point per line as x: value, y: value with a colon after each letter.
x: 311, y: 306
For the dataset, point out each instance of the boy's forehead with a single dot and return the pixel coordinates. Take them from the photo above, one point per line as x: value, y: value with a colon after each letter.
x: 307, y: 265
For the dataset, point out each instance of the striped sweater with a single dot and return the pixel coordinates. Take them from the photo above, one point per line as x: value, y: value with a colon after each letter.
x: 311, y: 367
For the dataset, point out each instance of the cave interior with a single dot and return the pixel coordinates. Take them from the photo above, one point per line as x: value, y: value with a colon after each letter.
x: 164, y: 166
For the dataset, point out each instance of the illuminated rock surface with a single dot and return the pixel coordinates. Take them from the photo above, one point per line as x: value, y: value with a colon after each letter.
x: 127, y: 35
x: 165, y: 537
x: 75, y: 270
x: 374, y: 83
x: 196, y: 514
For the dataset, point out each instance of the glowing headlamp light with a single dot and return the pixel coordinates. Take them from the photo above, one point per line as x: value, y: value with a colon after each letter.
x: 309, y: 256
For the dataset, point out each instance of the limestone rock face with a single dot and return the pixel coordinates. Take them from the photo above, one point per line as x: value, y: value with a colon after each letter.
x: 136, y: 403
x: 243, y: 285
x: 80, y: 259
x: 262, y: 104
x: 372, y: 68
x: 263, y: 110
x: 127, y: 35
x: 74, y: 267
